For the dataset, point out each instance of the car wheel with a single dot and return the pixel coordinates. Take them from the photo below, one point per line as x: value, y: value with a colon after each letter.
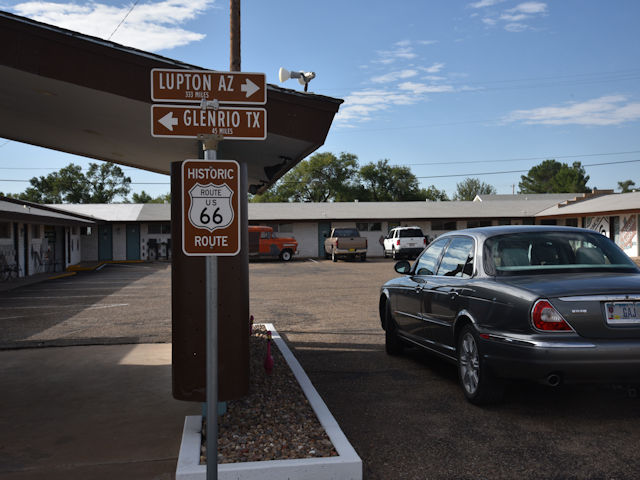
x: 286, y: 255
x: 363, y: 257
x: 394, y: 254
x: 334, y: 258
x: 477, y: 382
x: 392, y: 343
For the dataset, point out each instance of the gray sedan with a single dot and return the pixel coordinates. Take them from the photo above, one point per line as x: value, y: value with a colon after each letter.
x: 552, y: 304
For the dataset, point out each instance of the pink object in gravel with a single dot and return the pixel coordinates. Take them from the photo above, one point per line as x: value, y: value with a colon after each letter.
x: 268, y: 359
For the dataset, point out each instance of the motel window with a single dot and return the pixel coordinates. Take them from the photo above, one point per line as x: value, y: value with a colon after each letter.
x: 478, y: 223
x: 444, y: 225
x: 5, y: 230
x: 547, y: 221
x: 35, y: 231
x: 158, y: 228
x: 504, y: 221
x: 369, y: 227
x: 571, y: 222
x: 85, y: 231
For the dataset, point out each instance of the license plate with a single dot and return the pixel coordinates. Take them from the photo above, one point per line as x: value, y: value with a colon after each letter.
x: 412, y: 244
x: 622, y: 312
x: 352, y: 249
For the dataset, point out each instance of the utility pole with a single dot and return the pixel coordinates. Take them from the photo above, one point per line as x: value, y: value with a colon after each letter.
x: 234, y: 19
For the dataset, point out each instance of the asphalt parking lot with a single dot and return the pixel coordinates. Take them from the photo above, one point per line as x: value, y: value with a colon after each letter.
x: 405, y: 416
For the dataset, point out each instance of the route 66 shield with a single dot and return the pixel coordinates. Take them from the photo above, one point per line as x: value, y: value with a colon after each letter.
x: 211, y: 207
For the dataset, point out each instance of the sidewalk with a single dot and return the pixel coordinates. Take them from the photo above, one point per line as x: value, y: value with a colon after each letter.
x: 97, y: 412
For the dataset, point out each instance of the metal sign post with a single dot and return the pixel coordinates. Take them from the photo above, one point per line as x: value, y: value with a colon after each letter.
x: 211, y: 288
x: 211, y: 228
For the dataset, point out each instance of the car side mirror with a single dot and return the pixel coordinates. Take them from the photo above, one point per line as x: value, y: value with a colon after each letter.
x: 402, y: 267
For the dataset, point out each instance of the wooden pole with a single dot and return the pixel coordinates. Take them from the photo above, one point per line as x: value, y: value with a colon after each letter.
x: 234, y: 6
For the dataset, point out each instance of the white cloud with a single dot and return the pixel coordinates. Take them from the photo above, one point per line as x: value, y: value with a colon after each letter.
x: 394, y: 76
x: 530, y: 8
x: 607, y: 110
x: 422, y: 88
x: 485, y: 3
x: 150, y: 26
x: 435, y: 68
x: 513, y: 19
x: 360, y: 106
x: 516, y: 27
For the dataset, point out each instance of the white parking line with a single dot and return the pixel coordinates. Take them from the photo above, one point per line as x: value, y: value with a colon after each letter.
x: 74, y: 307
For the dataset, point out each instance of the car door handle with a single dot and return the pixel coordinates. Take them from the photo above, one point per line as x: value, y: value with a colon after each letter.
x: 419, y: 288
x: 453, y: 294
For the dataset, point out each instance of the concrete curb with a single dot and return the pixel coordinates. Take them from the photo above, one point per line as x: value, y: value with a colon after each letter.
x: 80, y: 268
x: 346, y: 466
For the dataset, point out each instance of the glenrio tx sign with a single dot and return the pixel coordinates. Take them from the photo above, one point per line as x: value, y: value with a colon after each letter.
x: 204, y: 87
x: 233, y: 123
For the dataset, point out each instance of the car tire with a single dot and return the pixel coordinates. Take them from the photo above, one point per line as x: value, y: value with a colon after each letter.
x: 286, y: 255
x: 478, y: 384
x: 394, y: 254
x: 392, y: 343
x: 334, y: 257
x: 363, y: 257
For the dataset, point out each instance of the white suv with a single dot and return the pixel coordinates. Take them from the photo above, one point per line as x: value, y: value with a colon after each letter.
x: 404, y: 242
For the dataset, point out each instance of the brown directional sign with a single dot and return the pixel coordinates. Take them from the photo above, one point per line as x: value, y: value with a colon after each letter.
x: 233, y: 123
x: 189, y: 86
x: 210, y: 207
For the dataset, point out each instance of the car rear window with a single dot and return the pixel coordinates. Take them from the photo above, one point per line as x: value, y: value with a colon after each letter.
x: 545, y: 251
x: 346, y: 232
x: 411, y: 232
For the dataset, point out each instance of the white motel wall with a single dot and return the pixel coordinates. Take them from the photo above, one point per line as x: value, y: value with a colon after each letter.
x: 58, y: 236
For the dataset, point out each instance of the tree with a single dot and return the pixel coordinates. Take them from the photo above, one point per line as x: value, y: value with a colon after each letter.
x: 382, y: 182
x: 470, y: 187
x: 434, y: 194
x: 554, y: 177
x: 626, y: 186
x: 107, y: 181
x: 69, y: 185
x: 322, y: 178
x: 144, y: 197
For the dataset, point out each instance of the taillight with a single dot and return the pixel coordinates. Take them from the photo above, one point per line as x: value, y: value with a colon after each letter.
x: 546, y: 318
x: 337, y: 243
x: 424, y: 241
x: 398, y: 242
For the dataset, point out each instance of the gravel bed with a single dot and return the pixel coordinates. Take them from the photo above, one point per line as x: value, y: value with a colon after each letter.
x: 273, y: 422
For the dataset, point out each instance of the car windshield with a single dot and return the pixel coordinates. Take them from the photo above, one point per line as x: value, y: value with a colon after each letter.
x: 411, y: 232
x: 545, y: 251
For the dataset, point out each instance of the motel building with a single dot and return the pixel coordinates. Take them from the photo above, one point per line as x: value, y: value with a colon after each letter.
x: 50, y: 238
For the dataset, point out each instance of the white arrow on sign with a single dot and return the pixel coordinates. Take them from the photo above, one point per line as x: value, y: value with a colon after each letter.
x: 168, y: 121
x: 249, y: 87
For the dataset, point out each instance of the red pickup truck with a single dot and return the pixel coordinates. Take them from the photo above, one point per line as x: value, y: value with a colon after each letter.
x: 262, y: 243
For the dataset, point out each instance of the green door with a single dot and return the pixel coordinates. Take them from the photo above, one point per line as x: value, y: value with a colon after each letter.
x: 324, y: 229
x: 133, y: 241
x: 105, y: 243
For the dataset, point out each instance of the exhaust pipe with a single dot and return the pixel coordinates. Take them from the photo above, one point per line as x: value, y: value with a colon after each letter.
x: 553, y: 379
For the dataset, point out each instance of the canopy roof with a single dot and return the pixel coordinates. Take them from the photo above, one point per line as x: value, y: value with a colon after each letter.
x: 83, y: 95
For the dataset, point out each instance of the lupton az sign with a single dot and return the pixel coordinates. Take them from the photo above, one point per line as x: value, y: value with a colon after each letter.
x: 210, y: 207
x: 203, y: 86
x: 190, y: 86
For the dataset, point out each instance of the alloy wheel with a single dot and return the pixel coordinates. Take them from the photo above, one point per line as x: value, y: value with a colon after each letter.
x: 469, y: 363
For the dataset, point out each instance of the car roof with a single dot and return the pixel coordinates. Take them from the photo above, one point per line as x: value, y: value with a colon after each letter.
x: 486, y: 232
x: 404, y: 228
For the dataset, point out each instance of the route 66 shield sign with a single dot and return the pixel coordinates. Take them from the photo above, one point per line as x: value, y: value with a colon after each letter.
x: 211, y: 206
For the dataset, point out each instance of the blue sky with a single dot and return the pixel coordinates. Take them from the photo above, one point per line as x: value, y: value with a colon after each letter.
x: 453, y: 89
